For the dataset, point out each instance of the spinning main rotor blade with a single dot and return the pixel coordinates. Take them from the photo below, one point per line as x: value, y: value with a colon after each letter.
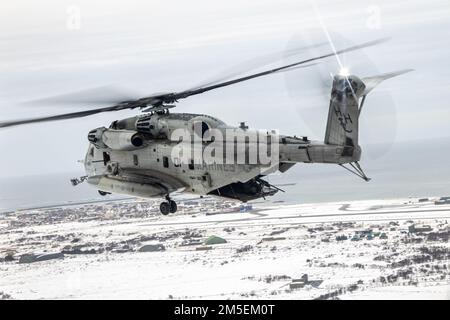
x: 167, y: 98
x: 112, y: 95
x: 80, y: 114
x: 255, y: 63
x: 103, y: 96
x: 189, y: 93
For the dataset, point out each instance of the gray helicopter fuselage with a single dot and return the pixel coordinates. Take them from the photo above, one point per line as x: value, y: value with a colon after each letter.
x: 135, y: 156
x: 158, y: 153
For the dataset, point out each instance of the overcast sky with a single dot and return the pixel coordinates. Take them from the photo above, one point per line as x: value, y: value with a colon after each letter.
x: 53, y: 47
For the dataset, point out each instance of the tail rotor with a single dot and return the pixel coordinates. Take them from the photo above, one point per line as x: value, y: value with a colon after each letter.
x: 311, y: 93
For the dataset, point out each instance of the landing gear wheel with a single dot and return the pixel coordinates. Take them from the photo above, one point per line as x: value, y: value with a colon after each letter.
x: 173, y: 206
x: 164, y: 207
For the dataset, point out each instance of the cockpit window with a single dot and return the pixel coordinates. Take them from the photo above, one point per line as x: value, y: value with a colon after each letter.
x: 124, y: 124
x: 113, y: 125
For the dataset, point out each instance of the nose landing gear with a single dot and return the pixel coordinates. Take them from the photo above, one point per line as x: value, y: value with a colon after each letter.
x: 168, y: 206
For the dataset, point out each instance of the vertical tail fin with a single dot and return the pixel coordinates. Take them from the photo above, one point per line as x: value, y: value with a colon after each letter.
x: 347, y: 96
x: 342, y: 125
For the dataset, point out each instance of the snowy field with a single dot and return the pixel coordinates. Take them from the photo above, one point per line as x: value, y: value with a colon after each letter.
x: 392, y: 249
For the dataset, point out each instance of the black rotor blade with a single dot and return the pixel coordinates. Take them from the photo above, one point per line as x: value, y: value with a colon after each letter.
x: 189, y: 93
x: 158, y: 100
x: 65, y: 116
x: 254, y: 63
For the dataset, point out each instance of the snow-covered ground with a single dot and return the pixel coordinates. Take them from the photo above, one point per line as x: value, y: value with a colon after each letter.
x: 356, y: 250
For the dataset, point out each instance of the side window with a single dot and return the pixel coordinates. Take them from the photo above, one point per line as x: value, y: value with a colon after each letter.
x: 165, y: 162
x: 106, y: 158
x: 135, y: 160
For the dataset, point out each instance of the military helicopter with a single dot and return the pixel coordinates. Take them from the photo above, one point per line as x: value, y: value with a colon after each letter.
x: 158, y: 153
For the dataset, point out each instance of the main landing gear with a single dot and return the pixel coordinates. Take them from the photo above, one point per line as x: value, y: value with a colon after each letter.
x: 168, y: 206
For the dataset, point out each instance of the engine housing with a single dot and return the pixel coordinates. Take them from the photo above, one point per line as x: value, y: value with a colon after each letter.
x: 121, y: 140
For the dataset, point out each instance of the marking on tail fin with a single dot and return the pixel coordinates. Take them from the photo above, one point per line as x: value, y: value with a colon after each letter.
x: 344, y: 119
